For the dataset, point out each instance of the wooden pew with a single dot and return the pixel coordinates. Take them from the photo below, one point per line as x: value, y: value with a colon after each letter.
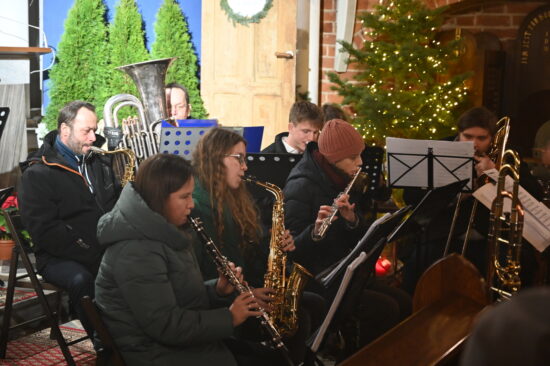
x: 448, y: 297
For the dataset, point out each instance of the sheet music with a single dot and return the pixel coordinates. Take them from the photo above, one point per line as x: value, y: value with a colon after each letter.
x: 337, y: 299
x: 452, y: 162
x: 536, y: 221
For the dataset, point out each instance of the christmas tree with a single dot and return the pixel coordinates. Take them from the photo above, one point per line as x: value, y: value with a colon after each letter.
x: 126, y: 46
x: 173, y: 40
x: 81, y: 62
x: 404, y: 88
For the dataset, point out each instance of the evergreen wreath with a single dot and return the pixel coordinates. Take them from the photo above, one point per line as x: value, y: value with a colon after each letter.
x: 243, y: 19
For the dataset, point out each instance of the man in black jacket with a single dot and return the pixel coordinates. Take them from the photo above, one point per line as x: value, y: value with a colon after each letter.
x: 305, y: 122
x: 65, y: 189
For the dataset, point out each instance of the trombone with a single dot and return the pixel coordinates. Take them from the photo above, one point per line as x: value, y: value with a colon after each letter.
x: 496, y: 154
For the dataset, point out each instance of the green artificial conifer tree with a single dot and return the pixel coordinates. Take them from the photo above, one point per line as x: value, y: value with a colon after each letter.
x: 172, y: 39
x: 81, y: 61
x: 126, y: 46
x: 404, y: 88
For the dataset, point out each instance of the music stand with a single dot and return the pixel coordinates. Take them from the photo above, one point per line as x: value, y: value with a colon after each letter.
x: 4, y: 113
x: 349, y: 289
x: 381, y: 228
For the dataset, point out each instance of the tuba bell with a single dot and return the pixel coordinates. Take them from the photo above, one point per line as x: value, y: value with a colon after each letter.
x: 139, y: 133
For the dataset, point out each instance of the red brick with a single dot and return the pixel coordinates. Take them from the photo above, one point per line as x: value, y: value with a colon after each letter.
x: 328, y: 16
x: 327, y: 62
x: 523, y: 8
x: 465, y: 20
x: 329, y: 4
x: 330, y: 50
x: 496, y: 9
x: 517, y: 20
x: 486, y: 20
x: 365, y: 4
x: 331, y: 98
x: 505, y: 34
x: 328, y: 27
x: 329, y: 38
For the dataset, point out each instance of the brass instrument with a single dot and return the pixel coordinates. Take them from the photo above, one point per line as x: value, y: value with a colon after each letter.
x: 496, y: 154
x: 139, y: 133
x: 288, y: 291
x: 222, y: 265
x: 505, y: 234
x: 123, y: 164
x: 321, y: 232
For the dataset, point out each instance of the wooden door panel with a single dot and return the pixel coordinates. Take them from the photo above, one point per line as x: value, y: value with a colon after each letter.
x: 243, y: 83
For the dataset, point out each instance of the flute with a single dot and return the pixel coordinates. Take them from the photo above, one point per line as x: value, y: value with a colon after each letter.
x: 321, y: 232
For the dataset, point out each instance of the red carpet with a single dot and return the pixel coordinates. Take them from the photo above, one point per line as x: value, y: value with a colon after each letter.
x: 39, y: 350
x: 19, y: 295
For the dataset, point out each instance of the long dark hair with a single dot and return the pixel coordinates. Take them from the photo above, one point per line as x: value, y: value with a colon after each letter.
x: 159, y: 176
x: 208, y: 165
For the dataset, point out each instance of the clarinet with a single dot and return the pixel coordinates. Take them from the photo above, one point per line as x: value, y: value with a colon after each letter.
x: 320, y: 234
x: 223, y: 266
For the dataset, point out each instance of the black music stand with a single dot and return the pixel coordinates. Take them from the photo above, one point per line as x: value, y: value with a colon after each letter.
x: 350, y: 287
x: 432, y: 162
x: 379, y: 229
x: 4, y: 113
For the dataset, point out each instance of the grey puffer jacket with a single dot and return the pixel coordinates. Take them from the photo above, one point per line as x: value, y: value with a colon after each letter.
x: 151, y: 292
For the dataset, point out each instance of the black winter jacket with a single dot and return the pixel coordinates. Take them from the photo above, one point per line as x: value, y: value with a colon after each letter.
x: 277, y: 147
x: 306, y: 189
x: 58, y: 209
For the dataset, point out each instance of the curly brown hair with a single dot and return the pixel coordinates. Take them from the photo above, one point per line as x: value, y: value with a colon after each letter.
x: 210, y: 170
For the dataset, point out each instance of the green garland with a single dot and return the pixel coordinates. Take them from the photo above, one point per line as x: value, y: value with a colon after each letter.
x: 234, y: 17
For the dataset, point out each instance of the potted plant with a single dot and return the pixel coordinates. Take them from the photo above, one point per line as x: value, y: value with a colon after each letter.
x: 10, y: 205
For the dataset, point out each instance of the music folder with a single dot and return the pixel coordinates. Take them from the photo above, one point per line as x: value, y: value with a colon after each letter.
x: 430, y: 206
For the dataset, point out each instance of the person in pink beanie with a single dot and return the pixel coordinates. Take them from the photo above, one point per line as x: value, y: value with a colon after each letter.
x: 312, y: 186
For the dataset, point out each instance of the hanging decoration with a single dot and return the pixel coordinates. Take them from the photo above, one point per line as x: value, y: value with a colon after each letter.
x: 246, y: 11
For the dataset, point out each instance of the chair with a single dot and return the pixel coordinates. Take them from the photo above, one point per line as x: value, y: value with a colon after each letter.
x: 108, y: 353
x: 13, y: 221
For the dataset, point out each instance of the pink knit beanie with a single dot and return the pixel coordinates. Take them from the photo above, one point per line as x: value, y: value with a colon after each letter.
x: 339, y: 140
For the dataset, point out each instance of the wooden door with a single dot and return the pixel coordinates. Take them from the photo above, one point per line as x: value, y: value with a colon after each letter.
x: 243, y: 81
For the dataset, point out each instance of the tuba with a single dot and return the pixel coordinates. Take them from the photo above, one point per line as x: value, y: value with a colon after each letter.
x: 139, y: 133
x: 505, y: 233
x: 288, y: 291
x: 124, y: 162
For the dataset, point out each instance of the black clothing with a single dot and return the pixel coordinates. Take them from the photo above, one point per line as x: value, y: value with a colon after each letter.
x: 58, y: 208
x: 277, y: 147
x: 307, y: 188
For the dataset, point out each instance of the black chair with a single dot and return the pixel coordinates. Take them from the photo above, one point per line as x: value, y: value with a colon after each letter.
x: 13, y: 221
x: 107, y: 353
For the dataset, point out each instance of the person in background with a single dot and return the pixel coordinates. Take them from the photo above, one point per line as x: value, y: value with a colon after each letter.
x: 177, y: 101
x: 305, y: 122
x: 65, y: 188
x: 333, y: 111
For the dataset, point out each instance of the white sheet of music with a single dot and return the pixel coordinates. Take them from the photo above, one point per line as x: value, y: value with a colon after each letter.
x: 536, y: 221
x: 411, y: 169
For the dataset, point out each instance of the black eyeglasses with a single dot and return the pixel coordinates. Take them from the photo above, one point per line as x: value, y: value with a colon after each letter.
x: 239, y: 157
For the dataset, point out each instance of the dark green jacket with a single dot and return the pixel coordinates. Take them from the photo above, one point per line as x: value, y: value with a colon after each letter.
x: 253, y: 259
x: 151, y: 292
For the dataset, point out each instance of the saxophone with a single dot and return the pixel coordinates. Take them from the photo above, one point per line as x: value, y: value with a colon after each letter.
x: 288, y: 290
x: 124, y: 162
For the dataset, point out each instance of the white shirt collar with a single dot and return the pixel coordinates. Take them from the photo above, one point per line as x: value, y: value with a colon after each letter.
x: 289, y: 149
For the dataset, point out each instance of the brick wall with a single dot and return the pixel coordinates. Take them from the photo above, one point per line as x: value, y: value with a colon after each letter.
x: 501, y: 20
